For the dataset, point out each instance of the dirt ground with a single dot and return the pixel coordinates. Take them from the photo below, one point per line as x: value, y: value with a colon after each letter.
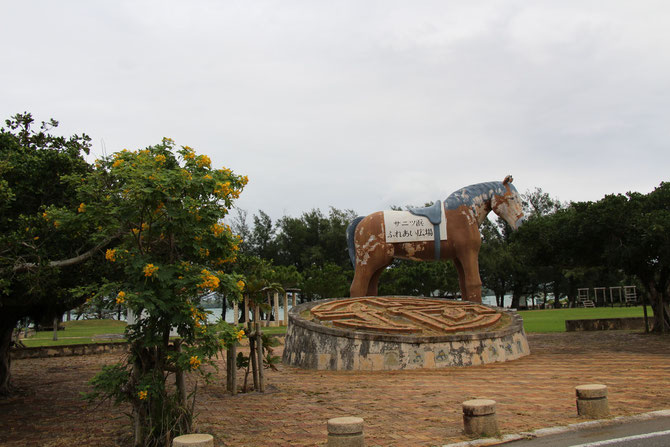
x: 400, y: 408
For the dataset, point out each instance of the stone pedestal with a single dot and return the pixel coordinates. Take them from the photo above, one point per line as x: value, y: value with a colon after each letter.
x: 345, y: 432
x: 285, y: 309
x: 592, y: 401
x: 194, y: 440
x: 479, y: 417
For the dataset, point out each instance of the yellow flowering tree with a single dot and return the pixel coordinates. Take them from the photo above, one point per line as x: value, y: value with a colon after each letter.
x: 166, y: 205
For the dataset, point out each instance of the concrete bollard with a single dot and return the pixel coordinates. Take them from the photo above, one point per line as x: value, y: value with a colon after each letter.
x: 345, y: 432
x: 592, y: 401
x: 479, y: 417
x: 193, y: 440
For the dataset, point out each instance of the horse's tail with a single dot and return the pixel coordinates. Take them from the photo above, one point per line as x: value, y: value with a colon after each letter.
x: 351, y: 230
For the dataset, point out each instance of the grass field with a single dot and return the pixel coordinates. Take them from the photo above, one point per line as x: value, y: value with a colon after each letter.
x: 77, y: 332
x: 553, y: 320
x: 84, y: 331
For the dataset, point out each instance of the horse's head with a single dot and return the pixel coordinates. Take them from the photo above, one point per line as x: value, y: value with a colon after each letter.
x: 508, y: 205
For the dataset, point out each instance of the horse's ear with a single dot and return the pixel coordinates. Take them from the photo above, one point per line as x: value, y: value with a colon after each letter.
x: 508, y: 179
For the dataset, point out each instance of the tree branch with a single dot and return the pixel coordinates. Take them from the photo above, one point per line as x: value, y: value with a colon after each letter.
x: 67, y: 262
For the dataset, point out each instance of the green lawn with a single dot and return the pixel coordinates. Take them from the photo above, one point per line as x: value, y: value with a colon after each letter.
x: 553, y: 320
x: 78, y: 332
x: 84, y: 331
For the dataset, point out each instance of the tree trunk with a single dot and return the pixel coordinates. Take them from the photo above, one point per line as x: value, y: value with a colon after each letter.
x: 55, y: 338
x: 224, y: 307
x: 6, y: 330
x: 252, y: 357
x: 259, y: 352
x: 180, y: 380
x: 139, y: 415
x: 661, y: 313
x: 557, y: 295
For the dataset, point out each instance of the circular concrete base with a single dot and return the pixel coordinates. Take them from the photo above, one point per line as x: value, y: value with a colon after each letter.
x: 388, y: 333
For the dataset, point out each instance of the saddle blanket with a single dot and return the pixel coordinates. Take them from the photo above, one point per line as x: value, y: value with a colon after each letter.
x: 403, y: 226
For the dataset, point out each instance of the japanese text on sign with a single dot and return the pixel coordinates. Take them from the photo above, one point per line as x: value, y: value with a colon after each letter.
x: 403, y: 226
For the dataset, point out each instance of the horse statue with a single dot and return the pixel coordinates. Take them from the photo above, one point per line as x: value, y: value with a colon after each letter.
x: 449, y: 231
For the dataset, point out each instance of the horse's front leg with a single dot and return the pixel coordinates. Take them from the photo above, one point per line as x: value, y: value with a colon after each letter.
x: 473, y: 284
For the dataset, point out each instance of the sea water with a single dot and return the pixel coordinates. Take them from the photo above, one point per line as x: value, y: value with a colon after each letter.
x: 214, y: 314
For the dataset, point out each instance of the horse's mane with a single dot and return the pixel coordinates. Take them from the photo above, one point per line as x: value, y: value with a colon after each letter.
x: 468, y: 195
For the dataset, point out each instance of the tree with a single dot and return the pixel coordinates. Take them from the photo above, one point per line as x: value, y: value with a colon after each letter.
x: 33, y: 249
x: 314, y: 239
x: 325, y: 281
x: 261, y: 238
x: 165, y: 207
x: 517, y: 262
x: 419, y: 279
x: 632, y: 232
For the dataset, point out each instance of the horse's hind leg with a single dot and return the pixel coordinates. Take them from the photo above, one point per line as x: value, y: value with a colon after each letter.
x: 361, y: 282
x: 374, y: 281
x: 461, y: 278
x: 366, y: 276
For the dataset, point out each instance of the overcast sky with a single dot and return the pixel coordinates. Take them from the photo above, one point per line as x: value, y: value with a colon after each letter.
x: 359, y: 104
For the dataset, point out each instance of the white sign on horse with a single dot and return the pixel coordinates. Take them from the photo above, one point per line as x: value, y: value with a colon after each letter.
x: 403, y: 226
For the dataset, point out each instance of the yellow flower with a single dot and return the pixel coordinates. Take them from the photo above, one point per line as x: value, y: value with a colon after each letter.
x: 160, y: 158
x: 240, y: 284
x: 135, y: 231
x: 142, y: 395
x: 222, y: 189
x: 207, y: 176
x: 195, y: 362
x: 240, y: 334
x: 35, y: 238
x: 218, y: 229
x: 45, y: 215
x: 204, y: 161
x: 150, y: 269
x: 117, y: 163
x: 209, y: 281
x: 110, y: 255
x: 121, y: 297
x: 145, y: 226
x: 56, y: 223
x: 82, y: 207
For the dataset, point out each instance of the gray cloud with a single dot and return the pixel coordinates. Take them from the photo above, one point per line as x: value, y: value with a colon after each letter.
x: 359, y: 105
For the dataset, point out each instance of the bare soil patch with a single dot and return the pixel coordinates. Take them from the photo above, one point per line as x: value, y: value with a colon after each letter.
x: 400, y: 408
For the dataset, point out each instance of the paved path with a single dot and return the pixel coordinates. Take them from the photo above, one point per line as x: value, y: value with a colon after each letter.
x: 640, y: 433
x: 400, y: 408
